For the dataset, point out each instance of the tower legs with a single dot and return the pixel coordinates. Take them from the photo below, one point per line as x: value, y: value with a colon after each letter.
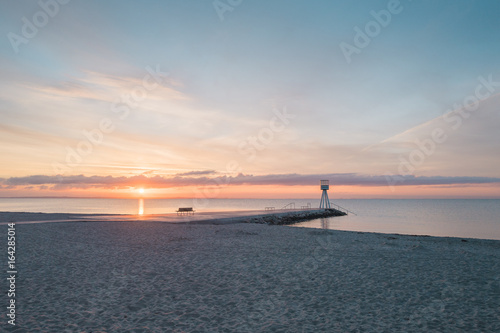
x: 325, y: 202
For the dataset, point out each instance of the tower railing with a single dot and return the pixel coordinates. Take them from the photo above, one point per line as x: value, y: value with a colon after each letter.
x: 291, y: 205
x: 342, y: 209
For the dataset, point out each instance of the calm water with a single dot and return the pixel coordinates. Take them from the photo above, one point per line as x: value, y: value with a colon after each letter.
x: 456, y: 218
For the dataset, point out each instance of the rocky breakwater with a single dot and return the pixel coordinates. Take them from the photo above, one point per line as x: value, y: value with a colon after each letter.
x: 294, y: 217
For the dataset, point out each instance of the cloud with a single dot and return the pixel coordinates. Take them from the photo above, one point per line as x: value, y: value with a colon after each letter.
x: 197, y: 173
x: 468, y: 142
x: 339, y: 179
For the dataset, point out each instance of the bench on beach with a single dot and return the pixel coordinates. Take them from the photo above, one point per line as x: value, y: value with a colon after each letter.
x: 185, y: 211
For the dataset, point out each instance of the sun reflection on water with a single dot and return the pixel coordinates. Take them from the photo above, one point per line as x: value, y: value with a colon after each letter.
x: 141, y: 206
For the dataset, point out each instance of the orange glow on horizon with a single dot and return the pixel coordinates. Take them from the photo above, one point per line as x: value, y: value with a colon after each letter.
x: 272, y: 192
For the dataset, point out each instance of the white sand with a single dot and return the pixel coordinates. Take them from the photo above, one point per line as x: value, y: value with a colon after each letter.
x: 160, y: 277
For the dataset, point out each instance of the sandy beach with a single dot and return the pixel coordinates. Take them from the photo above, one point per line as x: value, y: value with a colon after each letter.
x: 142, y: 276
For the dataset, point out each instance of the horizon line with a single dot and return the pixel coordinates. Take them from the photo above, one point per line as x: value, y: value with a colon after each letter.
x: 190, y: 198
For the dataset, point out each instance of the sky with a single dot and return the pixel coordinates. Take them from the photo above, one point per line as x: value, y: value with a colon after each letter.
x: 250, y: 98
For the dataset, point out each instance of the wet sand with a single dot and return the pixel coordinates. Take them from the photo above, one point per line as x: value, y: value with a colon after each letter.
x: 220, y: 217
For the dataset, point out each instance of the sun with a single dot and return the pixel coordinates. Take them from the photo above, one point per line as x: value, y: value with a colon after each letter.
x: 141, y: 190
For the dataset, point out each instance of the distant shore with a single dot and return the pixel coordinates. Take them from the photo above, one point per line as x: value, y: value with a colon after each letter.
x: 246, y: 277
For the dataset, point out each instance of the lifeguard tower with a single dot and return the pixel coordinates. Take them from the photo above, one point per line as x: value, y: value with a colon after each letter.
x: 325, y: 202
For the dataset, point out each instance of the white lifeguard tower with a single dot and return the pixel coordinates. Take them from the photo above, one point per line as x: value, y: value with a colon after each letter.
x: 325, y: 202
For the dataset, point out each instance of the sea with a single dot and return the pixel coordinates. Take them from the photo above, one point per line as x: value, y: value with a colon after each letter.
x: 466, y: 218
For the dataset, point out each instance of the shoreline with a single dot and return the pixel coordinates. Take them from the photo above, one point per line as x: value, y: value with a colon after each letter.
x: 205, y: 218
